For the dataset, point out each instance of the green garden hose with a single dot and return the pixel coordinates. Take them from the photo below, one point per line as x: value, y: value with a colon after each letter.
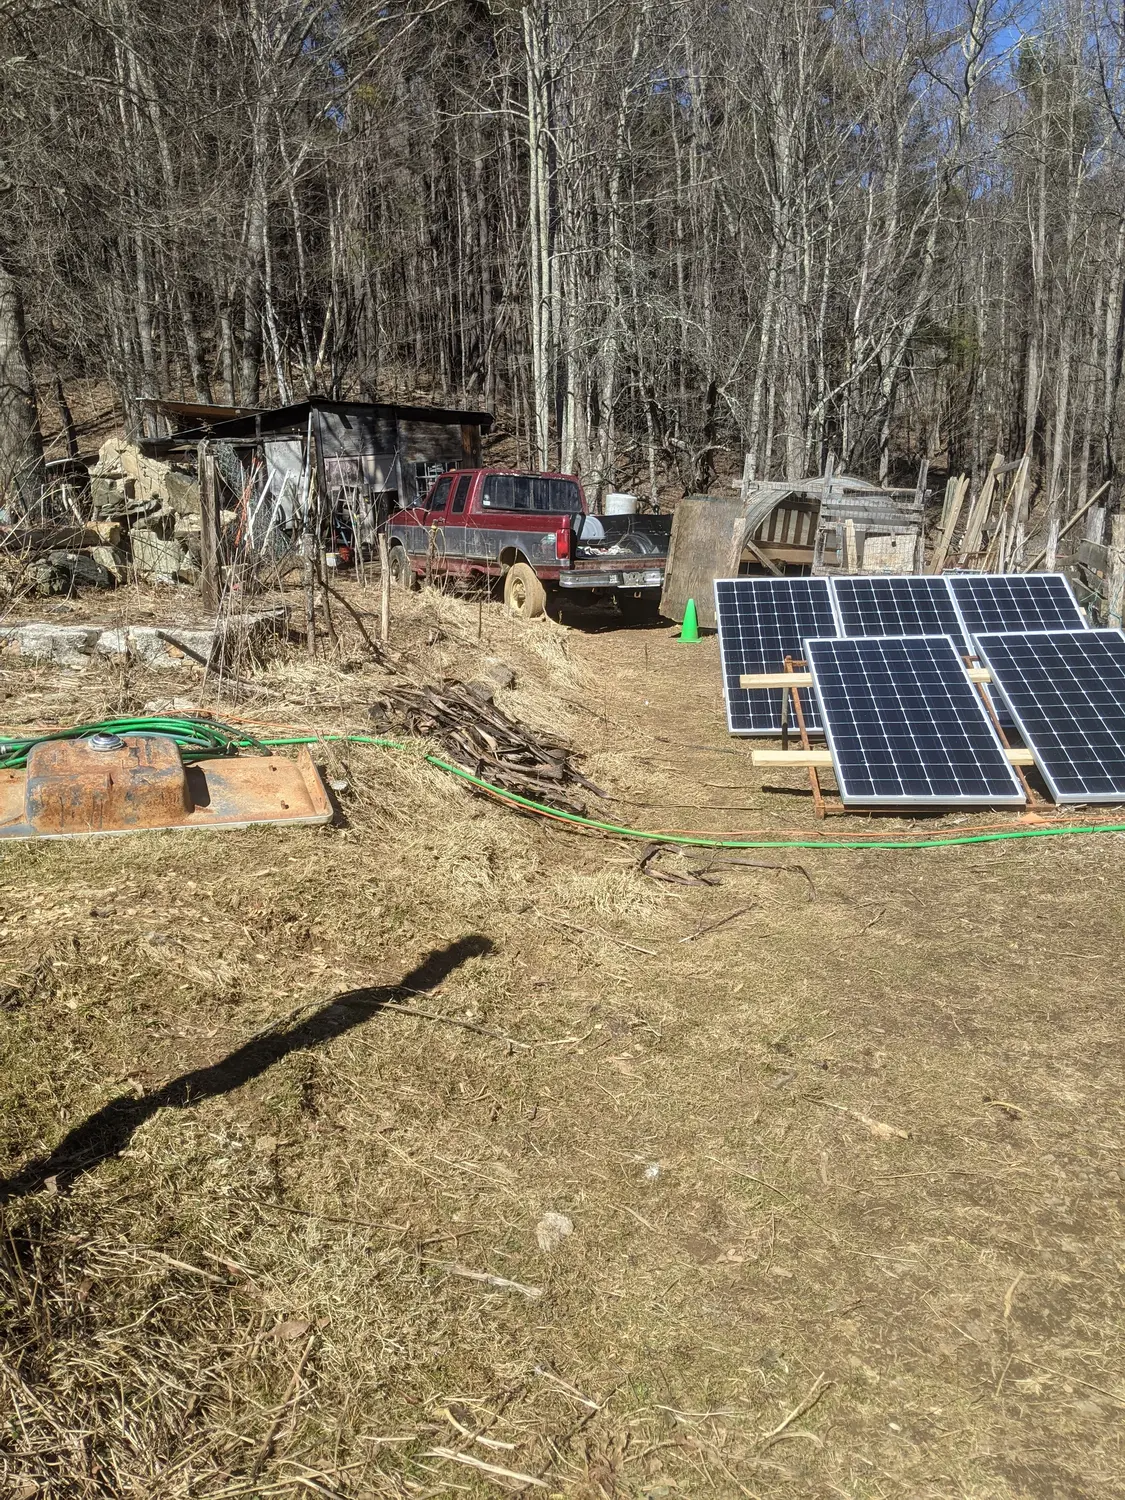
x: 198, y: 739
x: 205, y: 739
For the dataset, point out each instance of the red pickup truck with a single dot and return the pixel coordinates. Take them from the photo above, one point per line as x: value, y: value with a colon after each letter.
x: 534, y: 532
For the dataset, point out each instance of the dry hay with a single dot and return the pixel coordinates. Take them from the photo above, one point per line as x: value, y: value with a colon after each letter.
x: 842, y: 1174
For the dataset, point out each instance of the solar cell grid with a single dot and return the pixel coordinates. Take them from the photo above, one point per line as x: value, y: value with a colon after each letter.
x: 761, y: 622
x: 897, y: 606
x: 1014, y: 601
x: 906, y: 726
x: 1065, y: 690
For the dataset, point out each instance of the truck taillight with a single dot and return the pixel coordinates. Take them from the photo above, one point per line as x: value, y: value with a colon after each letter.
x: 562, y: 540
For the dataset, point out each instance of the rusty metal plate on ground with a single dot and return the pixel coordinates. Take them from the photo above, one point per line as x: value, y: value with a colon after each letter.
x: 73, y: 789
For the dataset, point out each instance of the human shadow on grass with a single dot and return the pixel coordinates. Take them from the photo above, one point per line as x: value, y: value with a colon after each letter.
x: 109, y: 1130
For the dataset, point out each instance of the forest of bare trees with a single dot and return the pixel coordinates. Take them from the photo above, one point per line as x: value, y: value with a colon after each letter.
x: 651, y: 237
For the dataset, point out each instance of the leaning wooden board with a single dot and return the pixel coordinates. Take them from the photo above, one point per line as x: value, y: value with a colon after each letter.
x: 707, y: 533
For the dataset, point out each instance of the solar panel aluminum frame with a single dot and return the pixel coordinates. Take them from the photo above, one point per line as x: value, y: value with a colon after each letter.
x: 1062, y: 798
x: 971, y: 635
x: 772, y: 730
x: 1017, y: 796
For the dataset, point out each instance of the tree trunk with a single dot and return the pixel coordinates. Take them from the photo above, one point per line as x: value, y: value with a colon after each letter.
x: 539, y: 231
x: 21, y: 441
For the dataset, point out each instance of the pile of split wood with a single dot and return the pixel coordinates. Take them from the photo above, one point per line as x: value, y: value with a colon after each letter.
x: 479, y: 737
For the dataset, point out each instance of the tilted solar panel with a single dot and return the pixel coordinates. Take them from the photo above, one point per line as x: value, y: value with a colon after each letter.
x: 905, y: 725
x: 761, y: 622
x: 911, y: 605
x: 1014, y: 601
x: 1065, y: 690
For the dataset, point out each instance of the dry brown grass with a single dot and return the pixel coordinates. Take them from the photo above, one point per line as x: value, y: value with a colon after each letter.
x: 264, y: 1292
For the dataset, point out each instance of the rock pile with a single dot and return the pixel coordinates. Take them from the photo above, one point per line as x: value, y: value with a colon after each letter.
x: 156, y: 504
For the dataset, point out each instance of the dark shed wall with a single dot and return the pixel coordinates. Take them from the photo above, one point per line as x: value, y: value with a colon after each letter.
x: 374, y: 448
x: 451, y: 444
x: 355, y: 434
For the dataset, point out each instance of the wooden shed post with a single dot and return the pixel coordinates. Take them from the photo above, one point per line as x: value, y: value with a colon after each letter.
x: 749, y: 467
x: 210, y: 570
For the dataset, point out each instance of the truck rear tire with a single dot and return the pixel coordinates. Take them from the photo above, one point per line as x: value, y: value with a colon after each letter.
x: 524, y: 595
x: 402, y: 574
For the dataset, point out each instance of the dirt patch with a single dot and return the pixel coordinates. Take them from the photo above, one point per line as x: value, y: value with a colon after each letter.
x: 282, y: 1113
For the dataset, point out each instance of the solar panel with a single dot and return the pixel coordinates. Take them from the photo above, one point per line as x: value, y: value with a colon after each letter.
x: 1065, y: 690
x: 905, y: 725
x: 1014, y: 601
x: 897, y: 606
x: 761, y: 622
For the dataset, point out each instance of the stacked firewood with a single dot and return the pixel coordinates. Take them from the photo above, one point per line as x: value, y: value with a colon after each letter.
x: 480, y: 738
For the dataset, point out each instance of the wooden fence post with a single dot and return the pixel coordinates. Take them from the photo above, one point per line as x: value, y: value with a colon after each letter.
x: 979, y: 511
x: 851, y: 547
x: 310, y: 536
x: 951, y: 511
x: 920, y: 501
x: 384, y: 588
x: 1017, y: 550
x: 210, y: 570
x: 748, y: 471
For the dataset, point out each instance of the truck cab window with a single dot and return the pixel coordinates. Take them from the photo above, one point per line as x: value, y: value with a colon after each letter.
x: 440, y: 494
x: 461, y: 494
x: 426, y: 473
x: 534, y: 492
x: 558, y: 496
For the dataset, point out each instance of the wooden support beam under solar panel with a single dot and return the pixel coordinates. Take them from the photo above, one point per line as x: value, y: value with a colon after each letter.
x: 1018, y: 755
x: 796, y: 679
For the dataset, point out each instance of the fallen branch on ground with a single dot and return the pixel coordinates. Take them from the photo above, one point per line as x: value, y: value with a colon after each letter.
x: 878, y: 1128
x: 428, y: 1015
x: 479, y: 1463
x: 451, y: 1268
x: 712, y: 926
x: 671, y: 877
x: 807, y: 1404
x: 771, y: 864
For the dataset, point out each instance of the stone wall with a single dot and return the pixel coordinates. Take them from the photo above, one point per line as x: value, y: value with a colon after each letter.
x: 77, y: 646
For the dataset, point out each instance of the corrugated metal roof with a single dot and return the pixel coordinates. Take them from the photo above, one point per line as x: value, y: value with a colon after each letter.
x: 294, y: 418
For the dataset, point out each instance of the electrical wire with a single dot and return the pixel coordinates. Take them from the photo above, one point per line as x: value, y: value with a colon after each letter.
x: 202, y: 739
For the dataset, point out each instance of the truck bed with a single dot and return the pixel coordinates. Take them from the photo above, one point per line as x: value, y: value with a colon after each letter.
x: 619, y: 553
x: 623, y: 537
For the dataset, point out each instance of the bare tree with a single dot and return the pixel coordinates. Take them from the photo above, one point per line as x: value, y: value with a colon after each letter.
x: 654, y: 238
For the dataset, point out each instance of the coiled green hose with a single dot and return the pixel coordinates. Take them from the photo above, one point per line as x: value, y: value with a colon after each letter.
x: 198, y: 739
